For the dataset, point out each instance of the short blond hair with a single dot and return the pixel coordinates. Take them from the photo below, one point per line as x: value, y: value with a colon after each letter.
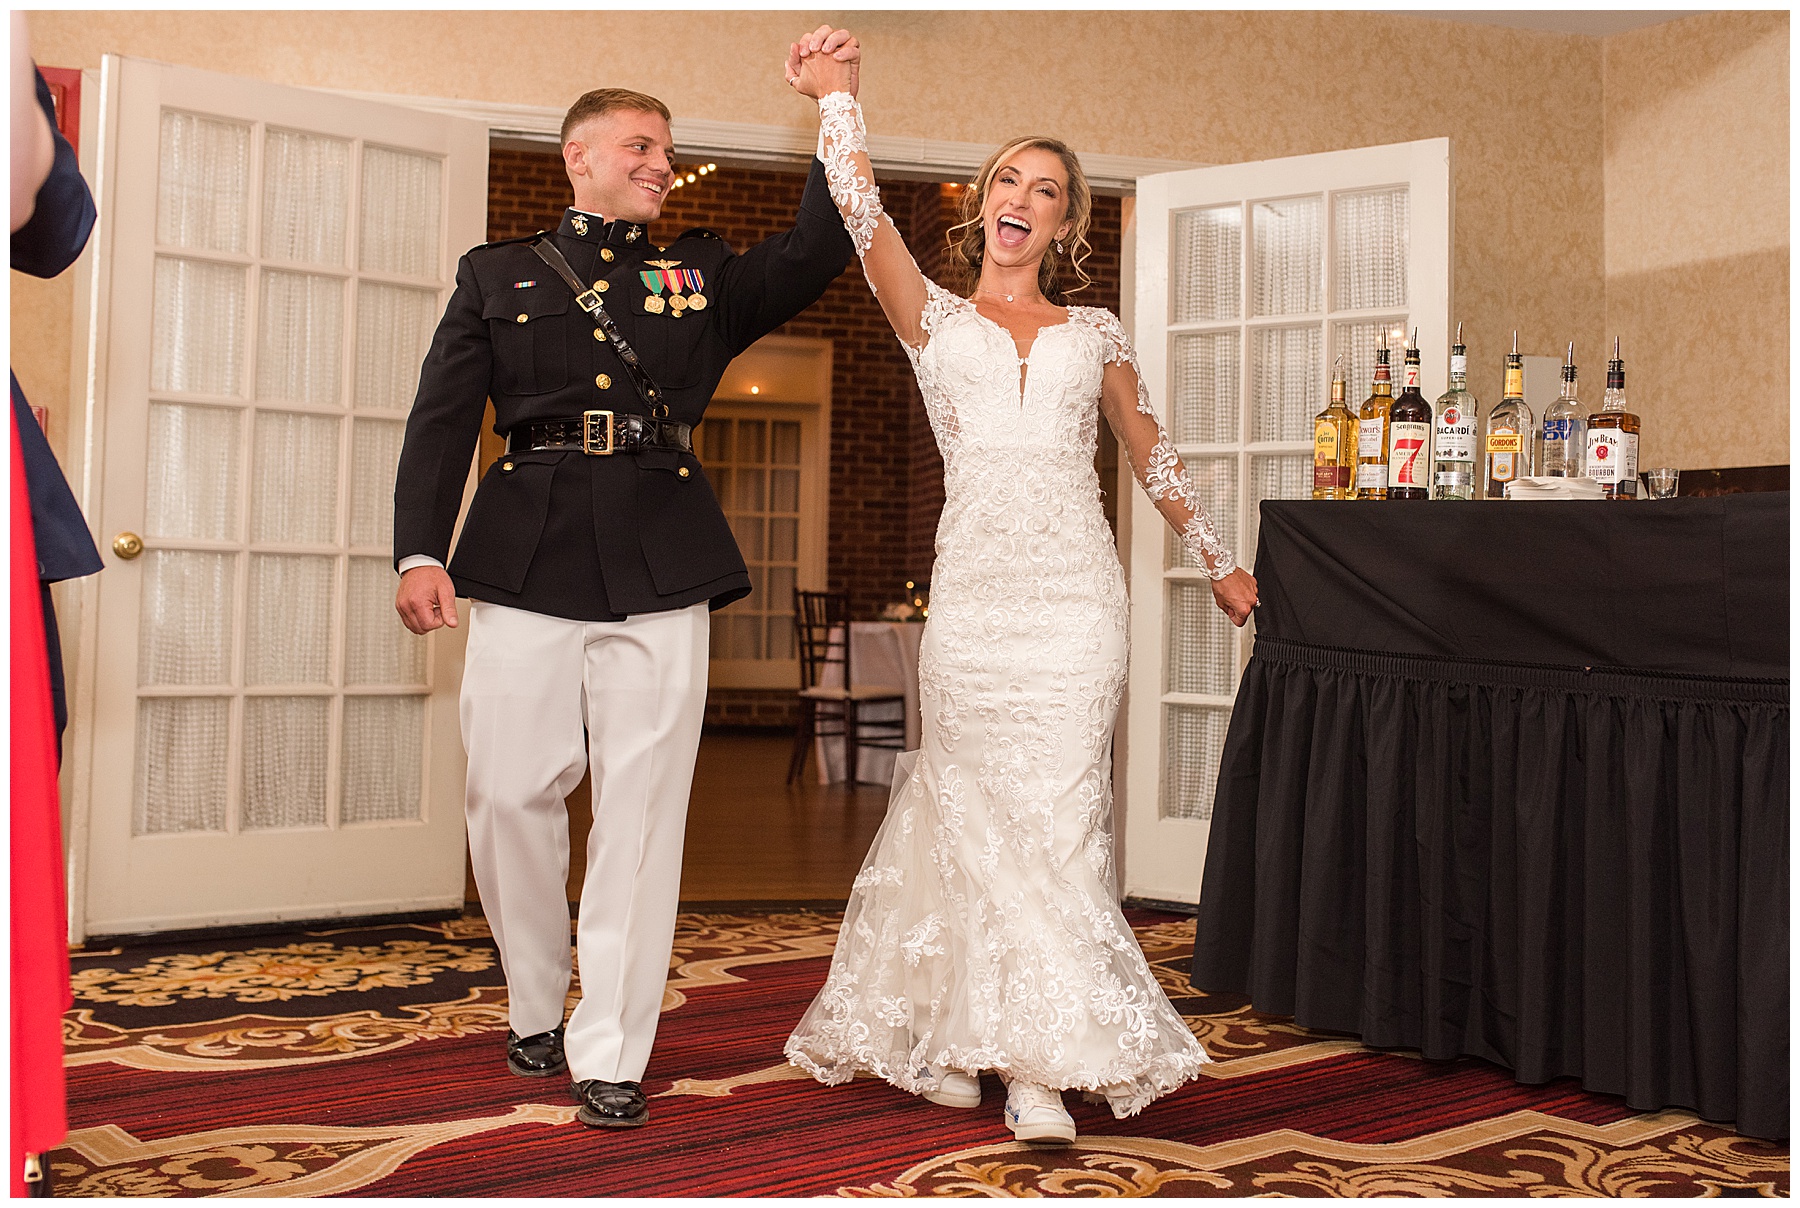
x: 602, y: 101
x: 969, y: 249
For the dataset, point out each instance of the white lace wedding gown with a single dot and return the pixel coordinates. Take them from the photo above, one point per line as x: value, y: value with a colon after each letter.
x: 984, y: 930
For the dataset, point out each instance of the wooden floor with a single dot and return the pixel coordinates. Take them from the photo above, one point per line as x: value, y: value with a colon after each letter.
x: 752, y: 838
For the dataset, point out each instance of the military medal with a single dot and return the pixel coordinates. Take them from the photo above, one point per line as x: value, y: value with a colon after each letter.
x: 579, y: 222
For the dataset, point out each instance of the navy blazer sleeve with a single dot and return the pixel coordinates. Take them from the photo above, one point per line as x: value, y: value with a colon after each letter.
x: 64, y: 216
x: 784, y: 274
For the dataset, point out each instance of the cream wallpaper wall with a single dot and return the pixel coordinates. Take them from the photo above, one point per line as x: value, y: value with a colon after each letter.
x: 1697, y: 234
x: 1529, y: 114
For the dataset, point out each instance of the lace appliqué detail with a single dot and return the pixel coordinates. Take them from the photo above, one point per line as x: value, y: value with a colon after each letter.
x: 1164, y: 476
x: 842, y: 133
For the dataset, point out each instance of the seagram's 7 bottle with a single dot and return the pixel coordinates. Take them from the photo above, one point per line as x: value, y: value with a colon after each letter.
x: 1409, y: 435
x: 1458, y: 429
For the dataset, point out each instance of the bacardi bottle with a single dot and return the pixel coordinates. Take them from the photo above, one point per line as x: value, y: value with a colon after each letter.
x: 1372, y: 431
x: 1612, y: 442
x: 1457, y: 431
x: 1564, y: 452
x: 1509, y: 430
x: 1334, y: 444
x: 1409, y: 435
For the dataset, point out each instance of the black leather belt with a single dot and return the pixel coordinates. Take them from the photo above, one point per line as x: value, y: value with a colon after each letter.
x: 601, y: 434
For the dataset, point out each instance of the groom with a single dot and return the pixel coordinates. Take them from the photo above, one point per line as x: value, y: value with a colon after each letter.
x: 592, y: 554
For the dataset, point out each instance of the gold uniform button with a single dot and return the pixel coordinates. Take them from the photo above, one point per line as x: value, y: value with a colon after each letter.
x: 506, y: 467
x: 522, y: 318
x: 598, y: 334
x: 604, y: 382
x: 606, y: 254
x: 602, y: 287
x: 683, y: 471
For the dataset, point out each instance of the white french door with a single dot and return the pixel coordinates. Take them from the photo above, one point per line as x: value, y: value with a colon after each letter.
x: 265, y: 740
x: 1250, y: 280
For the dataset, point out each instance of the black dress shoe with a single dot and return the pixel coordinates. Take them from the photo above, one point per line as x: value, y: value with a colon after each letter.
x: 611, y: 1104
x: 536, y: 1056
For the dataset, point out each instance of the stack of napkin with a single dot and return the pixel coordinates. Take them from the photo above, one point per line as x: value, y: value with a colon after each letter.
x: 1555, y: 488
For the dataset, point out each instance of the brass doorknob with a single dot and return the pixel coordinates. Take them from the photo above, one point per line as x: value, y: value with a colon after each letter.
x: 128, y: 545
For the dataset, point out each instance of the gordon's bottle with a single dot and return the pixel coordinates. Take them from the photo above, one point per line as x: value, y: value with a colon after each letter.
x: 1409, y: 435
x: 1334, y: 444
x: 1372, y: 431
x: 1509, y: 430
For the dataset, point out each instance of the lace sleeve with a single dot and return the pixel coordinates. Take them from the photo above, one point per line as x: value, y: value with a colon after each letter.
x: 893, y: 275
x: 1154, y: 461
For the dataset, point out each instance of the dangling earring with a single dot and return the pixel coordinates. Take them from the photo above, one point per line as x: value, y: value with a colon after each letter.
x: 1059, y: 250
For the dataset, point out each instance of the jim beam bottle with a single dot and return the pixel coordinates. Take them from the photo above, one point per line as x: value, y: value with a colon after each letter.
x: 1372, y: 431
x: 1509, y: 430
x: 1457, y: 431
x: 1612, y: 438
x: 1409, y: 435
x: 1334, y: 444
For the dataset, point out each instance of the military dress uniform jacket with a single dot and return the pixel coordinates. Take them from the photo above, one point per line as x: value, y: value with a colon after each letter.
x: 562, y: 532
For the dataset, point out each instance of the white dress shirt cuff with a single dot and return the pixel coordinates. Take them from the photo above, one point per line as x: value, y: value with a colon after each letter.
x: 411, y: 560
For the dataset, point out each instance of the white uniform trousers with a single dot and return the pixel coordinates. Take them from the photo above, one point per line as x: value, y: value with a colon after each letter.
x: 531, y: 685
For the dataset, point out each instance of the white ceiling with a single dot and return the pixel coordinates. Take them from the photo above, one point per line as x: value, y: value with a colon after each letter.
x: 1595, y: 23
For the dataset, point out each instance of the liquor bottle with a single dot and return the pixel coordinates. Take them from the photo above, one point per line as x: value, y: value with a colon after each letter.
x: 1334, y: 430
x: 1457, y: 427
x: 1509, y: 430
x: 1372, y: 431
x: 1564, y: 452
x: 1409, y: 434
x: 1612, y: 445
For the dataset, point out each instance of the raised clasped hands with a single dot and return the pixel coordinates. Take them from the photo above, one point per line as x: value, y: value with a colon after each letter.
x: 824, y: 61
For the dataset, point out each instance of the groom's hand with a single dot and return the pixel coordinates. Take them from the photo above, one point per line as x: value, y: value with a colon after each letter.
x: 824, y: 61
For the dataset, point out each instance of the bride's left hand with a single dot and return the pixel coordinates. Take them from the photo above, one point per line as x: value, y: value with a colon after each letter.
x: 1235, y: 595
x: 825, y: 61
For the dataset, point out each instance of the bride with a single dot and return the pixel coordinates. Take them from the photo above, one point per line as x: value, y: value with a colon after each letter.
x: 984, y: 930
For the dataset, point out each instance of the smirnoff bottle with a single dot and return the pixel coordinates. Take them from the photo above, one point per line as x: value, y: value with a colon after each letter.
x: 1334, y: 449
x: 1509, y: 430
x: 1564, y: 453
x: 1612, y: 441
x: 1372, y: 431
x: 1458, y: 426
x: 1409, y: 435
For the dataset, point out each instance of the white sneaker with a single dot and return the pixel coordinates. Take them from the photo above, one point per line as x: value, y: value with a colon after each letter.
x: 956, y: 1089
x: 1036, y: 1115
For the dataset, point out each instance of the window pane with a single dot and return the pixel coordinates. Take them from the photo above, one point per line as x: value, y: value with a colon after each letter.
x: 384, y: 742
x: 1286, y: 257
x: 752, y: 446
x: 295, y: 488
x: 1205, y: 373
x: 402, y: 199
x: 287, y: 750
x: 306, y: 197
x: 749, y: 533
x: 1284, y: 477
x: 1194, y: 742
x: 393, y: 329
x: 1200, y: 649
x: 185, y: 617
x: 715, y: 440
x: 301, y: 338
x: 785, y: 440
x: 784, y: 490
x: 374, y: 459
x: 1208, y: 269
x: 289, y: 623
x: 192, y: 464
x: 784, y: 540
x: 1370, y: 232
x: 750, y: 496
x: 202, y: 184
x: 1285, y: 387
x: 1357, y: 343
x: 378, y: 649
x: 197, y: 327
x: 183, y: 746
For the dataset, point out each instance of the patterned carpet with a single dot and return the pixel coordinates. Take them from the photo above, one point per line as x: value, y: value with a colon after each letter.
x: 369, y: 1062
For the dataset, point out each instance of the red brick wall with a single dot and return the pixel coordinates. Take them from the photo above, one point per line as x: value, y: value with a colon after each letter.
x: 886, y: 484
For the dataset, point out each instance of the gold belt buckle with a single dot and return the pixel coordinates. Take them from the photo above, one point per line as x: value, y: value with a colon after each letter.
x: 594, y: 425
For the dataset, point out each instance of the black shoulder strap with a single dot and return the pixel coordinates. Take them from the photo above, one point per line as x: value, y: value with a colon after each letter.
x: 589, y: 300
